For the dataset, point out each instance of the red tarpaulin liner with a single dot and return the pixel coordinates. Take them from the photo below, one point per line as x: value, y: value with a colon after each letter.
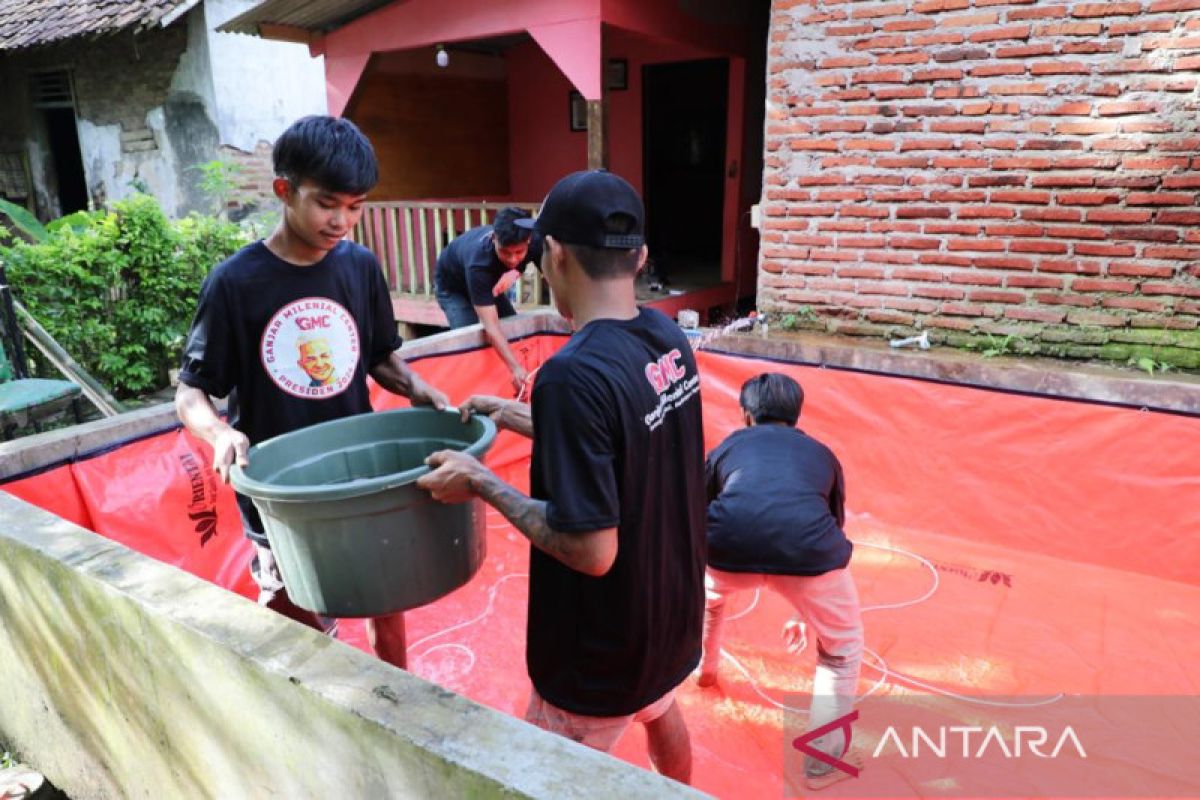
x: 1060, y: 536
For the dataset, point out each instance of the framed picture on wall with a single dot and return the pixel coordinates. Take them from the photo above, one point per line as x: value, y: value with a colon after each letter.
x: 577, y: 111
x: 616, y: 74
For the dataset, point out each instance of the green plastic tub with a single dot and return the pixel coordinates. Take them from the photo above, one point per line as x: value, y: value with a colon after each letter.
x: 352, y: 534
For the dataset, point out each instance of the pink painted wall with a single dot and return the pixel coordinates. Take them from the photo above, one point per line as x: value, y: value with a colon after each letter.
x: 543, y: 148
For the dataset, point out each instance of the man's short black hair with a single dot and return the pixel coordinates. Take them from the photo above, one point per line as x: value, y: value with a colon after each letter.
x: 604, y: 262
x: 772, y: 397
x: 505, y: 228
x: 331, y: 152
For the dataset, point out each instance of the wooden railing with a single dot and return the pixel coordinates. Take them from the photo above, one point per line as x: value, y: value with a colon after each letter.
x: 406, y: 237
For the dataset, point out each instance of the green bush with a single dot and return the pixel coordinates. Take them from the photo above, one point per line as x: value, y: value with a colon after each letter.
x: 117, y: 288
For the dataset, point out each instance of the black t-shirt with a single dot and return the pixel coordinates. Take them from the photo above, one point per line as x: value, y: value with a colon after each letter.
x: 776, y: 505
x: 618, y: 441
x: 289, y: 345
x: 468, y: 266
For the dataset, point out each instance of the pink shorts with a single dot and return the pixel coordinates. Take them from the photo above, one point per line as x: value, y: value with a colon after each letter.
x: 599, y: 733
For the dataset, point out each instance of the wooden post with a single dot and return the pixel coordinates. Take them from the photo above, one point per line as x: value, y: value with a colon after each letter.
x: 597, y: 138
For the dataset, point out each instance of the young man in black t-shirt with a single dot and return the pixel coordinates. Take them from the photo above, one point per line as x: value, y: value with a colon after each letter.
x: 616, y: 516
x: 474, y: 273
x: 775, y: 516
x: 289, y: 328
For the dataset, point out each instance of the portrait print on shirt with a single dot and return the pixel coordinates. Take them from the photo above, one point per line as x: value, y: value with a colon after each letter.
x: 310, y: 348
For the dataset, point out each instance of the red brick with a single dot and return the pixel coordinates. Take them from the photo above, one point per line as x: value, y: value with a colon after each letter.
x: 1146, y: 233
x: 873, y: 145
x: 939, y: 292
x: 861, y: 242
x: 998, y: 34
x: 957, y: 196
x: 1127, y: 107
x: 1020, y: 197
x: 1072, y: 109
x: 1141, y: 26
x: 991, y: 70
x: 1159, y: 6
x: 1184, y: 253
x: 1043, y: 246
x: 812, y: 144
x: 842, y: 62
x: 1171, y: 43
x: 955, y: 228
x: 1035, y: 315
x: 1059, y: 68
x: 1156, y: 163
x: 1118, y: 215
x: 1092, y: 249
x: 849, y: 30
x: 1071, y: 29
x: 1124, y: 268
x: 1071, y: 267
x: 905, y: 58
x: 986, y: 212
x: 935, y: 6
x: 930, y: 75
x: 975, y: 245
x: 969, y: 20
x: 922, y: 212
x: 1044, y: 12
x: 1022, y: 163
x: 870, y: 12
x: 900, y: 93
x: 914, y: 243
x: 910, y: 25
x: 1159, y: 199
x: 929, y: 275
x: 1003, y: 263
x: 890, y: 42
x: 879, y: 76
x: 1026, y: 51
x: 1087, y: 127
x: 957, y: 126
x: 1097, y: 285
x: 1051, y: 214
x: 1087, y: 198
x: 965, y: 310
x: 1178, y: 218
x: 1135, y: 304
x: 1079, y: 300
x: 939, y: 38
x: 1094, y: 318
x: 987, y: 296
x: 1019, y: 281
x: 848, y: 126
x: 1019, y: 88
x: 1181, y: 181
x: 1076, y: 232
x: 996, y: 180
x: 927, y: 144
x: 949, y: 324
x: 1106, y: 9
x: 1120, y: 145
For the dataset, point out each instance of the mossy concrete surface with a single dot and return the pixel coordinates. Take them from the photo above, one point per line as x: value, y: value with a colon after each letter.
x: 125, y: 677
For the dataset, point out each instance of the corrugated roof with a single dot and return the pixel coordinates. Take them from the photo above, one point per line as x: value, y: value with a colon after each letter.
x: 32, y: 23
x: 316, y: 16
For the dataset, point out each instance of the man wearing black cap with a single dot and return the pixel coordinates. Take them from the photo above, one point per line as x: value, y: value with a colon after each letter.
x: 617, y: 515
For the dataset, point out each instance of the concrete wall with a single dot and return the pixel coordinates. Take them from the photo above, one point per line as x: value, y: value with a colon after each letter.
x: 151, y: 106
x: 125, y: 677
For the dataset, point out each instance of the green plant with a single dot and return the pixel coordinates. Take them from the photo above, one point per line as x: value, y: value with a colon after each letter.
x: 1151, y: 366
x: 792, y: 321
x: 117, y: 288
x: 7, y: 761
x: 219, y: 180
x: 998, y: 346
x: 22, y: 220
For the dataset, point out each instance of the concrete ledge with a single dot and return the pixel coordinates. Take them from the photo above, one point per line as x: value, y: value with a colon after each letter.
x: 1176, y: 393
x: 125, y: 677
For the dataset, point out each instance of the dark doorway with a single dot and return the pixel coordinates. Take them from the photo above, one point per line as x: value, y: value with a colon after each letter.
x: 685, y: 116
x: 68, y: 163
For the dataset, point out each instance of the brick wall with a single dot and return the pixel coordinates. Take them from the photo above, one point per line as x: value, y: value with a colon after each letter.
x: 974, y: 167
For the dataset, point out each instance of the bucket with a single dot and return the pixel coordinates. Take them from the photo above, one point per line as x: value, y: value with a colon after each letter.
x: 352, y: 534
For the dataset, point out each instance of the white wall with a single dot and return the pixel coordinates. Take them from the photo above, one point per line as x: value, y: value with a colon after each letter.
x: 260, y: 86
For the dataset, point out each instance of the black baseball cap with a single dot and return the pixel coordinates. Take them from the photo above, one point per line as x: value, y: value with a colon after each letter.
x: 594, y: 208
